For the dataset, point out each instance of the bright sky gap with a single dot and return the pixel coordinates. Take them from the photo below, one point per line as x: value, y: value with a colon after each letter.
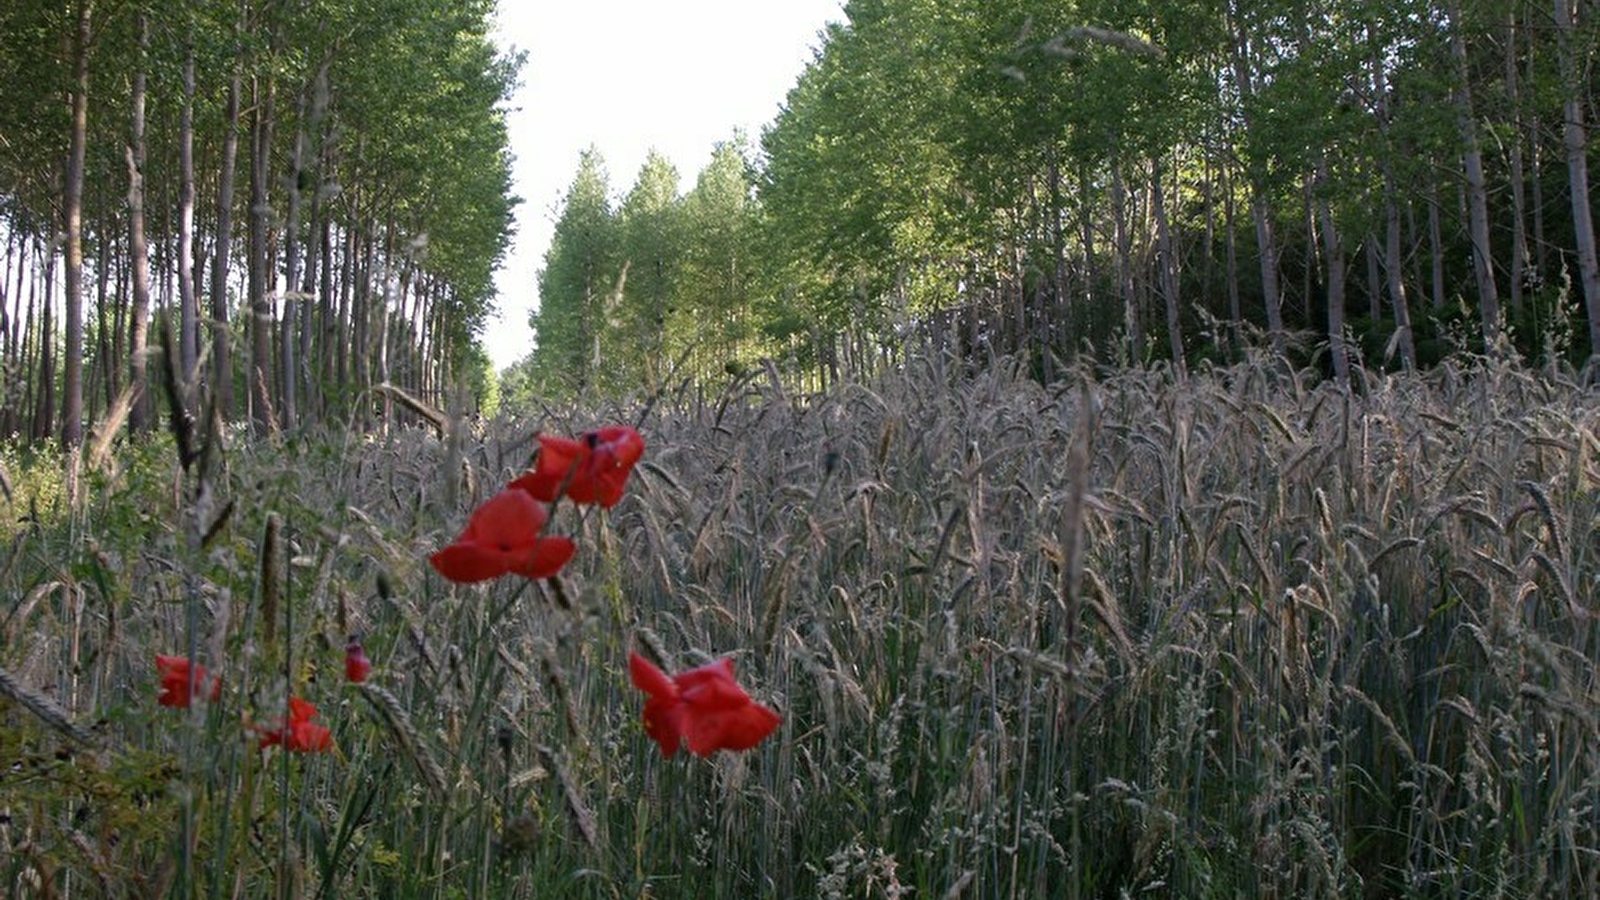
x: 628, y: 76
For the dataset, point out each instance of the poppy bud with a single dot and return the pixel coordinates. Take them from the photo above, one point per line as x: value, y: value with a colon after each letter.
x: 356, y: 665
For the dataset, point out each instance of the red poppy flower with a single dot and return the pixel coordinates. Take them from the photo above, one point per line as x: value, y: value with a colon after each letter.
x: 705, y: 706
x: 180, y: 684
x: 298, y: 734
x: 356, y: 665
x: 503, y: 536
x: 591, y: 469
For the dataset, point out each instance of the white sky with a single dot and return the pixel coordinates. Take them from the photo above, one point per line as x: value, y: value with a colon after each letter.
x: 627, y: 76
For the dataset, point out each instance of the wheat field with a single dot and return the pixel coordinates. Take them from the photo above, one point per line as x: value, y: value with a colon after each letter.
x: 1243, y: 636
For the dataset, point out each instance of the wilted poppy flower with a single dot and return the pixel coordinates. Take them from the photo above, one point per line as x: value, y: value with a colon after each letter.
x: 503, y: 536
x: 298, y: 734
x: 180, y: 683
x: 591, y: 469
x: 705, y: 706
x: 356, y: 665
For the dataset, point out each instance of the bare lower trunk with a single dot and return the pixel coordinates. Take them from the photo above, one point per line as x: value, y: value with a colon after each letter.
x: 1435, y: 247
x: 72, y: 210
x: 139, y: 326
x: 1167, y: 264
x: 1574, y: 140
x: 188, y: 306
x: 1519, y: 203
x: 257, y: 265
x: 1397, y: 286
x: 1392, y: 264
x: 221, y: 357
x: 1477, y: 192
x: 1125, y: 285
x: 1333, y: 253
x: 1260, y: 213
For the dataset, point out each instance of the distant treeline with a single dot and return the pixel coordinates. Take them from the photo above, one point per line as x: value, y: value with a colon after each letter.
x: 1168, y: 180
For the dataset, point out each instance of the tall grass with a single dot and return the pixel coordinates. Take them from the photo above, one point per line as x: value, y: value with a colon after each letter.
x: 1247, y: 636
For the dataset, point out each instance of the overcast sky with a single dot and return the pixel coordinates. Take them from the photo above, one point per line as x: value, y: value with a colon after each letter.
x: 627, y: 76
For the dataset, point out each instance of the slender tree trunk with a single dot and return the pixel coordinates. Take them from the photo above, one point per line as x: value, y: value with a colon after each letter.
x: 341, y: 337
x: 1333, y: 253
x: 1369, y: 249
x: 222, y: 358
x: 45, y: 406
x: 1541, y: 262
x: 258, y: 265
x: 138, y: 251
x: 294, y: 298
x: 1167, y: 266
x: 1477, y: 192
x: 1519, y: 204
x: 1260, y: 212
x: 1573, y: 139
x: 1125, y: 285
x: 1079, y: 318
x: 72, y: 210
x: 1397, y: 286
x: 1435, y: 247
x: 108, y: 317
x: 1235, y: 307
x: 1392, y: 263
x: 332, y: 304
x: 188, y: 304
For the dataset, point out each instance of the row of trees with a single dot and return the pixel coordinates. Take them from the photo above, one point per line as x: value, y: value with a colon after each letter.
x: 1161, y: 179
x: 311, y: 195
x: 650, y: 290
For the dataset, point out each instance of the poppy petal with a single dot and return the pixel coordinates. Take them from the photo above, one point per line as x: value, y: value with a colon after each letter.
x: 301, y: 710
x: 546, y: 557
x: 557, y: 456
x: 539, y: 485
x: 180, y: 683
x: 510, y: 517
x: 625, y: 442
x: 738, y: 728
x: 664, y: 722
x: 469, y: 563
x: 646, y: 677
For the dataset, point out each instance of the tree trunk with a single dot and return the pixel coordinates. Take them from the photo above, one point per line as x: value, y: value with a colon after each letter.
x: 1230, y: 223
x: 1333, y: 253
x: 108, y: 316
x: 138, y: 251
x: 1519, y: 204
x: 72, y: 210
x: 1573, y: 140
x: 1391, y: 222
x: 1397, y: 285
x: 1125, y: 285
x: 1369, y: 249
x: 294, y: 298
x: 1477, y: 192
x: 1435, y: 247
x: 258, y: 266
x: 1260, y: 212
x: 188, y: 305
x: 1167, y: 266
x: 221, y: 357
x: 45, y: 399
